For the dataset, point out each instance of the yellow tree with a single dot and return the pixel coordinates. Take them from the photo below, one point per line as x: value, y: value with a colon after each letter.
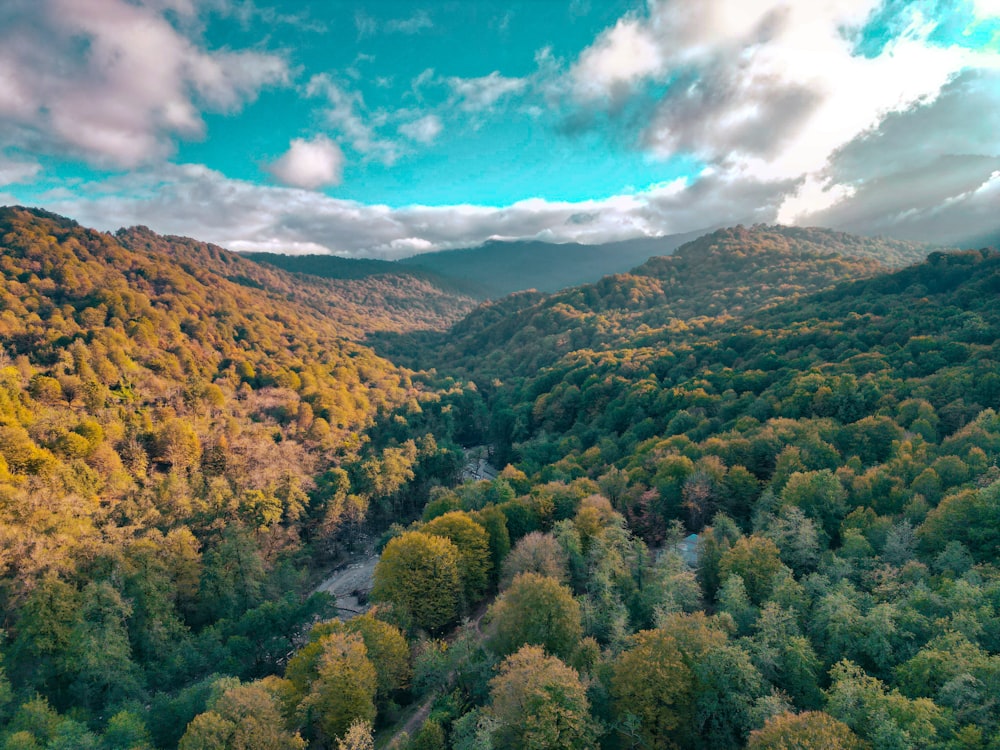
x: 813, y: 730
x: 473, y: 543
x: 651, y: 681
x: 540, y: 704
x: 418, y: 574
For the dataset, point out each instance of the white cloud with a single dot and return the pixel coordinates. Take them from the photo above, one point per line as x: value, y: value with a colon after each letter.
x: 478, y: 94
x: 115, y: 82
x: 621, y: 57
x: 368, y: 26
x: 17, y: 169
x: 776, y: 92
x: 196, y: 201
x: 986, y: 8
x: 424, y: 130
x: 310, y: 164
x: 347, y: 114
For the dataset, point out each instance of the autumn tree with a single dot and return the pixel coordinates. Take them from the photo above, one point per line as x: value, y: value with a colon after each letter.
x: 418, y: 574
x: 812, y: 730
x: 651, y: 682
x: 473, y: 544
x: 540, y: 704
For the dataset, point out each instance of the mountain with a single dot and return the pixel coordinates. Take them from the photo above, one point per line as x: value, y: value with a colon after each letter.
x: 334, y: 267
x: 500, y: 268
x: 152, y: 383
x: 726, y: 273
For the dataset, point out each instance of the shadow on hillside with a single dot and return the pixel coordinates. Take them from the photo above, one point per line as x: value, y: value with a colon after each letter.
x: 417, y: 350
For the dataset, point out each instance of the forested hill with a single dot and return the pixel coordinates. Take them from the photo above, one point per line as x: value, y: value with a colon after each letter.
x: 726, y: 273
x: 186, y: 437
x: 356, y: 305
x: 334, y: 267
x: 500, y: 268
x: 175, y: 423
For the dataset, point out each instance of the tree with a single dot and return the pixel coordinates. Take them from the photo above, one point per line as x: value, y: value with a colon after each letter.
x: 651, y: 681
x: 535, y: 553
x: 418, y: 574
x: 820, y: 496
x: 387, y: 649
x: 882, y: 716
x: 358, y: 737
x: 757, y: 561
x: 342, y: 689
x: 243, y: 717
x: 538, y: 611
x: 813, y: 730
x: 473, y: 543
x: 540, y: 704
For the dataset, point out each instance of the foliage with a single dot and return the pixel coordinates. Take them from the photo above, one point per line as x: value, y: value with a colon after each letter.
x: 540, y: 704
x: 537, y: 611
x: 419, y: 575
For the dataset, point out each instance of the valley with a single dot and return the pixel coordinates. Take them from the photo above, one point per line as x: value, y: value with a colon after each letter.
x: 757, y: 476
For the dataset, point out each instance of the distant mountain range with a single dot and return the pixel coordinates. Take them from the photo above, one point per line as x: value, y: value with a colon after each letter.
x: 495, y: 269
x: 500, y: 268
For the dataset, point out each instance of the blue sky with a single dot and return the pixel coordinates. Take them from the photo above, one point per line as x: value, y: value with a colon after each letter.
x: 393, y: 127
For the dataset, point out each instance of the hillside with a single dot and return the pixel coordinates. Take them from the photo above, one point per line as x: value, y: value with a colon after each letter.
x: 176, y: 426
x: 501, y: 268
x: 724, y: 274
x: 355, y: 269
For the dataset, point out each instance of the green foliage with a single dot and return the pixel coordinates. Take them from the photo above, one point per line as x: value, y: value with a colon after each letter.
x: 538, y: 611
x: 419, y: 575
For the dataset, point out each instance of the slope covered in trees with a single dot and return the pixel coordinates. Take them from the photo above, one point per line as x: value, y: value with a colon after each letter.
x: 182, y: 441
x: 181, y: 432
x: 356, y: 269
x: 721, y: 275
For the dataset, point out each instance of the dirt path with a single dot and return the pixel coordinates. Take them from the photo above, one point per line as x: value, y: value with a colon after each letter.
x: 417, y: 720
x: 345, y: 583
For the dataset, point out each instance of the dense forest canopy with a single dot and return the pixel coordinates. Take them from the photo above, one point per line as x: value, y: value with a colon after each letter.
x: 748, y: 496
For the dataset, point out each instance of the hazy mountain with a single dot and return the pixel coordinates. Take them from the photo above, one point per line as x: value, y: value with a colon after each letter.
x: 500, y: 268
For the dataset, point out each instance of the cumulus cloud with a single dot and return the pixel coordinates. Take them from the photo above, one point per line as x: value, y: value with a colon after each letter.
x: 115, y: 82
x: 310, y: 164
x: 779, y: 92
x: 424, y: 130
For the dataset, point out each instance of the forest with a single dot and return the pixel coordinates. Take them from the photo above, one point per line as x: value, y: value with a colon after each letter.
x: 748, y: 497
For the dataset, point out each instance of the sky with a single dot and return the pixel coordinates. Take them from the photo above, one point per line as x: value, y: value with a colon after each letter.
x: 393, y: 127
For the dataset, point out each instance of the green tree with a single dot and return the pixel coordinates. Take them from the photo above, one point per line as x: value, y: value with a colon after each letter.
x: 418, y: 574
x: 757, y: 561
x: 473, y: 543
x: 820, y: 496
x: 539, y: 611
